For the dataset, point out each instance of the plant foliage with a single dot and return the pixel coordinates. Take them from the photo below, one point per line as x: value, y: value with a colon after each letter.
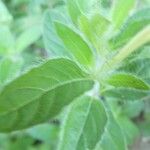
x: 74, y: 72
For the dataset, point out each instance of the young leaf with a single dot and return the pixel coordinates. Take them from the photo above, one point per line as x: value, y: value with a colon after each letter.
x: 127, y: 81
x: 41, y: 93
x: 75, y: 44
x: 74, y: 10
x: 83, y: 124
x: 121, y: 11
x: 51, y: 40
x: 94, y: 28
x: 85, y: 27
x: 132, y: 26
x: 99, y: 24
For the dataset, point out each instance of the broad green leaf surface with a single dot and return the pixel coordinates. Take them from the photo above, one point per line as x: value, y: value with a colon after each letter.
x: 51, y: 40
x: 121, y: 11
x: 41, y: 93
x: 113, y: 138
x: 127, y: 81
x: 75, y: 44
x: 83, y: 124
x: 131, y: 27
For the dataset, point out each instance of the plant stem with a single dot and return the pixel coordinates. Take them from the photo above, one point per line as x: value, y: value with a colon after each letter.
x: 140, y: 39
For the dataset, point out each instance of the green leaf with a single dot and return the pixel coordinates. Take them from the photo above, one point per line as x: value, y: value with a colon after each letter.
x: 130, y: 130
x: 94, y: 28
x: 74, y: 10
x: 113, y: 138
x: 133, y: 84
x: 83, y: 124
x: 41, y: 93
x: 127, y: 81
x: 131, y: 27
x: 138, y: 67
x: 75, y: 44
x: 99, y: 24
x: 51, y: 40
x: 121, y: 11
x: 126, y: 94
x: 85, y: 27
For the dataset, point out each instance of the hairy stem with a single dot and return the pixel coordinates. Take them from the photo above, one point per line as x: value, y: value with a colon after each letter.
x: 140, y: 39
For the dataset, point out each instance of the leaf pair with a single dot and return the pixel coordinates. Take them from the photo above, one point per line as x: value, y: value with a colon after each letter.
x: 87, y: 125
x: 94, y: 29
x: 131, y: 81
x: 73, y: 44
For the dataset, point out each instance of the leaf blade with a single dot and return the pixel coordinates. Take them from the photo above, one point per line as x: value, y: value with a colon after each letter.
x: 131, y: 27
x: 127, y: 81
x: 121, y: 11
x: 75, y: 44
x: 34, y: 98
x: 113, y: 138
x: 80, y: 118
